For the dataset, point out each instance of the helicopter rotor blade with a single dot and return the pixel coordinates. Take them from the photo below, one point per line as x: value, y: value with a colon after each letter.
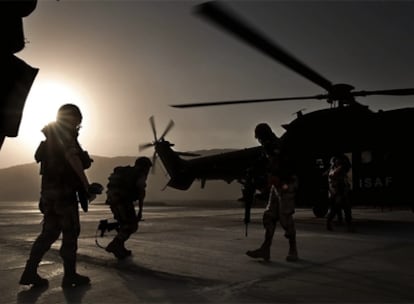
x: 396, y: 92
x: 154, y: 159
x: 168, y: 128
x: 152, y: 123
x: 145, y: 146
x: 230, y: 102
x: 219, y: 15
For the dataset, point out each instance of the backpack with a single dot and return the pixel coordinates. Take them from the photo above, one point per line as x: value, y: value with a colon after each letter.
x: 123, y: 181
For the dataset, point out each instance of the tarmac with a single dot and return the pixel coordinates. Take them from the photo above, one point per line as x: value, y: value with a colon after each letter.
x: 194, y: 252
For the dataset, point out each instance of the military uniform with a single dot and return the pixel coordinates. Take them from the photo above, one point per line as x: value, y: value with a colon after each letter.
x: 126, y: 185
x: 339, y: 190
x: 58, y: 203
x: 281, y: 204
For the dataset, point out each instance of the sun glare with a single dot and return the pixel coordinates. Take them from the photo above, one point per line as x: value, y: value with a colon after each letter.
x: 44, y: 100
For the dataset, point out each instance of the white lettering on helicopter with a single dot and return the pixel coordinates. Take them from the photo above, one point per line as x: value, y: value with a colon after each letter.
x: 375, y: 182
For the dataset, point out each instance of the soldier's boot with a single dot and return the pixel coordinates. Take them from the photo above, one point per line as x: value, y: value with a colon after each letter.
x: 31, y: 277
x: 71, y: 278
x: 293, y: 251
x: 126, y: 251
x: 117, y: 248
x: 262, y: 252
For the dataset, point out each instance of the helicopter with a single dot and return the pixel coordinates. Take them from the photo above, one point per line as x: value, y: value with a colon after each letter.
x: 226, y: 166
x: 377, y: 143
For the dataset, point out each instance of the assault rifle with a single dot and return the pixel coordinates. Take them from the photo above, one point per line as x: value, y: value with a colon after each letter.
x: 104, y: 226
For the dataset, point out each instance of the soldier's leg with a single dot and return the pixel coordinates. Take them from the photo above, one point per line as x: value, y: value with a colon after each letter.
x: 125, y: 214
x: 49, y: 234
x: 288, y: 224
x: 348, y: 215
x: 333, y: 211
x: 69, y: 247
x: 269, y: 223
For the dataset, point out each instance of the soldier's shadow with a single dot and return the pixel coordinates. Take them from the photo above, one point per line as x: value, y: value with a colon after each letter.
x: 75, y: 295
x: 30, y: 295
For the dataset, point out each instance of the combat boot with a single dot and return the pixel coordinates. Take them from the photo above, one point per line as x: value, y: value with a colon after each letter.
x: 31, y: 277
x: 262, y: 252
x: 71, y: 278
x: 117, y: 248
x: 293, y: 251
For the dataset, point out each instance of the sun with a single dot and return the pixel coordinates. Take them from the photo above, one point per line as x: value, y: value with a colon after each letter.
x: 41, y: 107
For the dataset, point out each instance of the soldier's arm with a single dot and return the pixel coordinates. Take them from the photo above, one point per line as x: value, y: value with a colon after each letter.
x: 75, y: 162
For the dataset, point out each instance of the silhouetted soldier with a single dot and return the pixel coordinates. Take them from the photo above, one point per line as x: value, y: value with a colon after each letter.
x: 339, y: 190
x: 281, y: 205
x: 127, y: 185
x: 63, y: 162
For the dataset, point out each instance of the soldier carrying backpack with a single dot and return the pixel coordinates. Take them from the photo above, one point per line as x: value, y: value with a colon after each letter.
x: 126, y: 185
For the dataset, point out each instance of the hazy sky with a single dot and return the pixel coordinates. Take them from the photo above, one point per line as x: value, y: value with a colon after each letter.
x: 123, y: 61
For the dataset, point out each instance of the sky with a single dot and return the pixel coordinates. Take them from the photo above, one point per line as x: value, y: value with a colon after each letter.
x: 124, y: 61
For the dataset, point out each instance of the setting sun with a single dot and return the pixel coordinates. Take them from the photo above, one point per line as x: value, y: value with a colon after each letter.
x: 42, y: 104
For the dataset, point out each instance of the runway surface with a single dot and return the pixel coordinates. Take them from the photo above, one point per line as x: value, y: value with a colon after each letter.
x: 194, y: 252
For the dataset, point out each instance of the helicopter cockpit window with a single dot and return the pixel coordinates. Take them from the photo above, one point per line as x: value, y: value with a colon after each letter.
x: 366, y: 157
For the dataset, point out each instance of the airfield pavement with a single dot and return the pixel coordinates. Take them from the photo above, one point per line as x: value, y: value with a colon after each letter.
x: 194, y: 252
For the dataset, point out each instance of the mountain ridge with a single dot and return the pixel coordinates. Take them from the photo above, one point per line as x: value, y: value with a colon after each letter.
x: 22, y: 182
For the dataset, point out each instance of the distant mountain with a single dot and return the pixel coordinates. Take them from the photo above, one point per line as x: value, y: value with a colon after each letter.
x: 22, y: 183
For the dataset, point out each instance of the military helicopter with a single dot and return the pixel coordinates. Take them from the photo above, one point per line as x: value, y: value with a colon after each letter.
x: 227, y: 166
x: 377, y: 143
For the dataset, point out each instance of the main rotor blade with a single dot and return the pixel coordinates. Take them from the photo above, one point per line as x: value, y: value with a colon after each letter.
x: 154, y: 159
x: 397, y: 92
x: 222, y: 17
x: 230, y: 102
x: 145, y: 146
x: 154, y: 131
x: 168, y: 128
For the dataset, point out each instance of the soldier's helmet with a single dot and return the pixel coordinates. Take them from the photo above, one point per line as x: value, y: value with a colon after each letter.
x: 262, y: 131
x: 143, y: 162
x: 69, y: 111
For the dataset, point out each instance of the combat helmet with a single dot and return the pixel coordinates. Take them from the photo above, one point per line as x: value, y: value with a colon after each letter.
x: 262, y: 130
x: 143, y: 162
x: 67, y: 111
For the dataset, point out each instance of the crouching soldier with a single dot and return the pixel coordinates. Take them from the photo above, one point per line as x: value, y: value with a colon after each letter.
x: 126, y: 185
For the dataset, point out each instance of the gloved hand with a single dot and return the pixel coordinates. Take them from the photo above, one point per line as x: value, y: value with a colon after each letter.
x: 95, y: 189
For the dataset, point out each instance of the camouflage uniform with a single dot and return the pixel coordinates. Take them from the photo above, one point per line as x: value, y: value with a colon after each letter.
x: 339, y: 190
x: 126, y: 185
x: 281, y: 204
x: 58, y: 203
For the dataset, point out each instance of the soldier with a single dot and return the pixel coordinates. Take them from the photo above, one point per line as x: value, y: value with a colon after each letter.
x: 281, y: 204
x: 339, y: 190
x: 63, y: 162
x: 127, y: 185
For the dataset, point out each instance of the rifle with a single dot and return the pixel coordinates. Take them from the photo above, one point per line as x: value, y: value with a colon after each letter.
x: 104, y: 225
